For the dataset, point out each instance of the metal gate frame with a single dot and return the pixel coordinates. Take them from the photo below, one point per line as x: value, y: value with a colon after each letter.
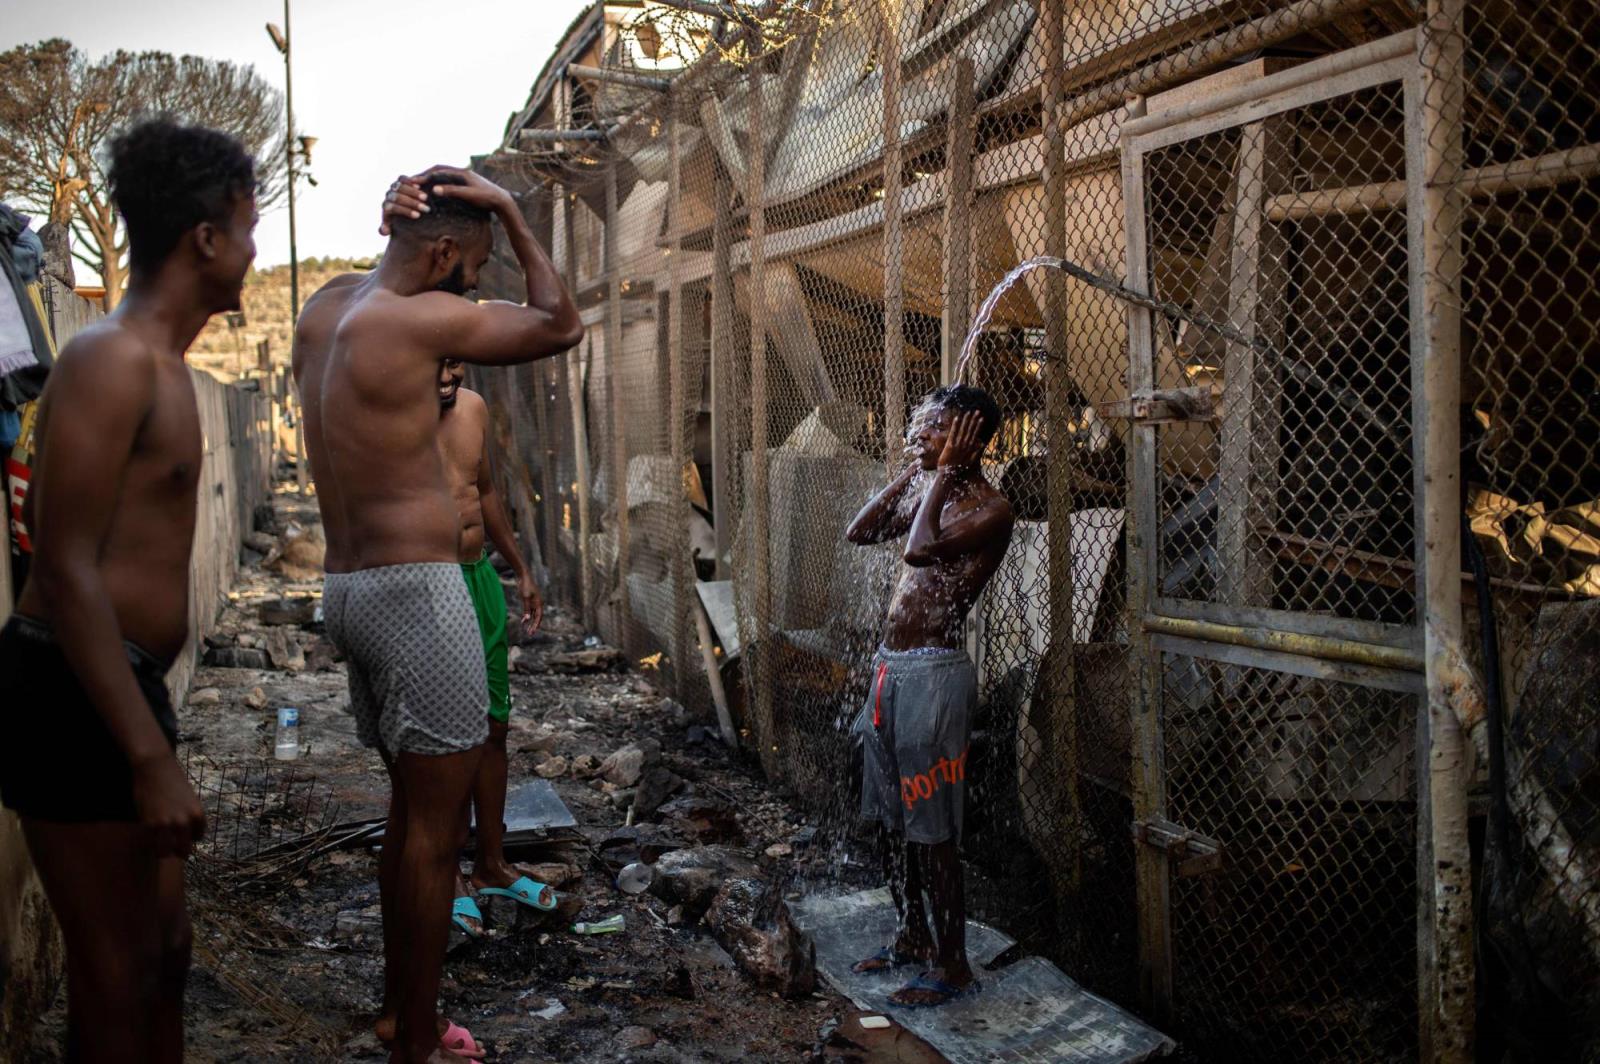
x: 1366, y: 653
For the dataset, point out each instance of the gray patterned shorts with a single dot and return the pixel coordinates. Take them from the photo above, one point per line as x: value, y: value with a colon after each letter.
x: 415, y: 658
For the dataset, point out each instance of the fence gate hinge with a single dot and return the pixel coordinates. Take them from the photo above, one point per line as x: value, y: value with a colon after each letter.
x: 1193, y: 853
x: 1166, y: 404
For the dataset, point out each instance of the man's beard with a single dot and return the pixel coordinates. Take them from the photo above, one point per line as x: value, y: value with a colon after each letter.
x: 456, y: 283
x: 447, y: 401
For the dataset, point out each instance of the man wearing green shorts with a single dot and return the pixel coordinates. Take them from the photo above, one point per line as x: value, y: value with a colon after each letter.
x: 464, y: 447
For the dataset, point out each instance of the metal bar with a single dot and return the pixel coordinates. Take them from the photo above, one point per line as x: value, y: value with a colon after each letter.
x: 724, y: 463
x: 618, y: 77
x: 1330, y: 648
x: 678, y: 420
x: 619, y: 420
x: 894, y: 244
x: 1482, y: 182
x: 1294, y: 664
x: 1319, y: 624
x: 555, y: 136
x: 1435, y: 152
x: 1060, y: 663
x: 1152, y: 882
x: 956, y: 315
x: 730, y: 12
x: 761, y: 680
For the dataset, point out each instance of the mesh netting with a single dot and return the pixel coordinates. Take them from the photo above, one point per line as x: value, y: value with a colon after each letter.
x: 1198, y: 779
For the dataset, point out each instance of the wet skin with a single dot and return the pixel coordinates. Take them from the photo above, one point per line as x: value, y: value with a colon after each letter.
x: 958, y: 535
x: 367, y: 359
x: 112, y: 514
x: 464, y: 444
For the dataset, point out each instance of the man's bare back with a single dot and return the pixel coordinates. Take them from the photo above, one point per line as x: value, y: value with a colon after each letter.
x: 313, y: 343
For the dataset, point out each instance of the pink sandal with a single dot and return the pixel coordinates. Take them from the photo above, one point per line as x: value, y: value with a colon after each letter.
x: 459, y: 1040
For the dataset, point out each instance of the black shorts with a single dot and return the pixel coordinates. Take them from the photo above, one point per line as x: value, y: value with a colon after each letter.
x: 58, y: 760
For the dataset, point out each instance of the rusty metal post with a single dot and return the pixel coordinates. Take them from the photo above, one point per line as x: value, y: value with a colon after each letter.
x: 1058, y: 669
x: 619, y: 432
x: 1434, y: 133
x: 956, y: 315
x: 894, y: 245
x: 755, y: 201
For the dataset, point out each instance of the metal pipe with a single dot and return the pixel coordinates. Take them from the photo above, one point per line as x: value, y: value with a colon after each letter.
x: 1435, y: 150
x: 894, y: 245
x: 618, y: 77
x: 555, y: 136
x: 1329, y: 648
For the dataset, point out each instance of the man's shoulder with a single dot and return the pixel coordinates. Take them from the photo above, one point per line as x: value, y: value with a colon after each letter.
x: 469, y: 400
x: 107, y: 347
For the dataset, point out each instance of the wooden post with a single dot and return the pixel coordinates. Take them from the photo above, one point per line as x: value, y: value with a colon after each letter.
x: 1247, y: 464
x: 580, y: 427
x: 543, y: 431
x: 761, y: 680
x: 724, y: 460
x: 1058, y: 669
x: 956, y: 316
x: 1435, y: 160
x: 682, y: 567
x: 894, y: 246
x: 619, y: 421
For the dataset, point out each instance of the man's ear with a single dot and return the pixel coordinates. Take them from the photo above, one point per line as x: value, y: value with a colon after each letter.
x: 446, y: 253
x: 205, y: 237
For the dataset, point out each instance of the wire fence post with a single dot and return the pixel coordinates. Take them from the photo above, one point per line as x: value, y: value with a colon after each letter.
x: 894, y: 244
x: 1445, y: 909
x: 619, y: 432
x: 956, y: 316
x: 580, y: 433
x: 761, y: 679
x: 681, y: 420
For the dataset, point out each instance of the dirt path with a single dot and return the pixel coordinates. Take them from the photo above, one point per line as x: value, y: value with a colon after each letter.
x: 288, y: 948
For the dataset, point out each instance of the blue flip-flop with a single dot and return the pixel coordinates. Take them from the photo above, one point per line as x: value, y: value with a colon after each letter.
x: 464, y: 909
x: 524, y: 890
x: 927, y: 981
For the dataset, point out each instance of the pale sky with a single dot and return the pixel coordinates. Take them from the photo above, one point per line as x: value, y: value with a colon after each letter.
x: 385, y: 85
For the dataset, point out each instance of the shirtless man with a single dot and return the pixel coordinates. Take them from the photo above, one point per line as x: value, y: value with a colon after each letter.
x: 914, y: 728
x: 88, y: 760
x: 368, y: 354
x: 464, y: 444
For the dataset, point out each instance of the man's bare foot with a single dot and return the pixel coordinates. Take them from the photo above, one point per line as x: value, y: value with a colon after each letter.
x: 501, y: 876
x: 936, y: 986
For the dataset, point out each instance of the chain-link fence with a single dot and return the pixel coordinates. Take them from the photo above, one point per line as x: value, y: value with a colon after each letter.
x: 1327, y: 275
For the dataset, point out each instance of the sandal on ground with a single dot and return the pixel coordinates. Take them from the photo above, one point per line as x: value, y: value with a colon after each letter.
x: 524, y: 891
x: 930, y: 983
x: 881, y: 961
x: 464, y: 909
x: 458, y: 1040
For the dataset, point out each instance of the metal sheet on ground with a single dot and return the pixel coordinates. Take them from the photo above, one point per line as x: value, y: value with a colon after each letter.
x: 533, y: 810
x: 1027, y: 1011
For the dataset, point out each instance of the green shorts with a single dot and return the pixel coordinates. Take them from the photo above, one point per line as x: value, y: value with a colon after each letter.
x: 490, y: 603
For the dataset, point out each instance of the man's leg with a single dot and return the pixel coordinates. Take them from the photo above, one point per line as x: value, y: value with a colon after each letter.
x: 394, y: 950
x: 436, y: 789
x: 947, y: 894
x: 176, y: 942
x: 902, y: 871
x: 114, y: 955
x: 489, y: 865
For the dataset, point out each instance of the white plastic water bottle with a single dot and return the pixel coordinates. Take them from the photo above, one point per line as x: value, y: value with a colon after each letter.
x: 287, y: 747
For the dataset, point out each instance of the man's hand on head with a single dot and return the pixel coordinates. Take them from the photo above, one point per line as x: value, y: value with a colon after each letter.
x: 964, y: 446
x: 405, y: 199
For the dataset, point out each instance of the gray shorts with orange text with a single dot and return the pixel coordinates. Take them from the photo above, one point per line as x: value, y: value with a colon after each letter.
x: 914, y: 733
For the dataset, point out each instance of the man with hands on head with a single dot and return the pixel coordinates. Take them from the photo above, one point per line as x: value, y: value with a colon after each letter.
x: 367, y: 356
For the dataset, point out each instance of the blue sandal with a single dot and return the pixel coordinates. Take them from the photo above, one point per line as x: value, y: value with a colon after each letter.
x: 933, y: 985
x: 524, y: 890
x: 464, y: 909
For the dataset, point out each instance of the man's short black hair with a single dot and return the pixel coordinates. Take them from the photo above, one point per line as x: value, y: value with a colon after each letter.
x: 167, y: 178
x: 446, y: 215
x: 963, y: 398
